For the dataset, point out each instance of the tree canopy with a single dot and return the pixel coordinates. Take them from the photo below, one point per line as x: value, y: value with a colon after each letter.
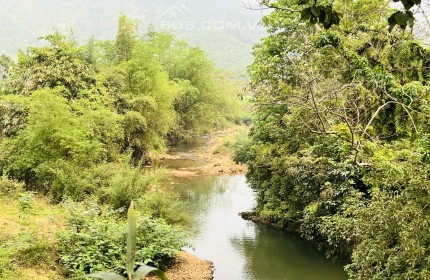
x: 329, y: 13
x: 339, y: 148
x: 68, y: 109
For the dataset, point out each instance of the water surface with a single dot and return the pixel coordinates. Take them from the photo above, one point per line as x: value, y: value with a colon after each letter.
x: 243, y: 249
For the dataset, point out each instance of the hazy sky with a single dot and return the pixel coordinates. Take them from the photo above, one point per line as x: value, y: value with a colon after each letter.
x: 224, y: 28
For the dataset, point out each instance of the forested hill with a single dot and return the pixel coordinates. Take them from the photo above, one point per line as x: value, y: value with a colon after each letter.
x: 224, y: 28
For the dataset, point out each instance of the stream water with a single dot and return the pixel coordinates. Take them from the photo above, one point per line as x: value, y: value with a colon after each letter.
x: 238, y: 248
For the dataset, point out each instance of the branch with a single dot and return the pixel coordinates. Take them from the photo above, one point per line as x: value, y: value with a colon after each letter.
x: 271, y: 6
x: 410, y: 116
x: 373, y: 118
x: 316, y: 108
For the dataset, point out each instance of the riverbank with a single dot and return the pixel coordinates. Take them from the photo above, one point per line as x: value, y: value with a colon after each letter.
x: 37, y: 239
x: 36, y: 257
x: 215, y: 155
x: 188, y: 267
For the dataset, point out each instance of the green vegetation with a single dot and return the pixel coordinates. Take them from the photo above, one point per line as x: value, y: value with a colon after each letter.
x: 327, y: 14
x: 71, y: 112
x: 27, y: 239
x: 78, y: 127
x: 132, y: 253
x: 339, y: 149
x: 96, y: 235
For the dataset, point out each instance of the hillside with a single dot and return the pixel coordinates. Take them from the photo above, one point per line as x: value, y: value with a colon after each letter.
x: 225, y: 29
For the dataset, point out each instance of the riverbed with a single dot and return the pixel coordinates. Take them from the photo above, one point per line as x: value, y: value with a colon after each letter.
x: 241, y: 249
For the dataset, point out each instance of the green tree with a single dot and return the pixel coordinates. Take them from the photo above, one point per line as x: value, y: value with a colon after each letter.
x: 125, y: 37
x: 6, y: 64
x: 207, y: 98
x: 61, y: 63
x: 327, y: 13
x: 56, y: 150
x: 341, y: 128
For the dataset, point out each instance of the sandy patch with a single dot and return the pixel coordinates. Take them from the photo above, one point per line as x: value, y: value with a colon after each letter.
x: 189, y: 267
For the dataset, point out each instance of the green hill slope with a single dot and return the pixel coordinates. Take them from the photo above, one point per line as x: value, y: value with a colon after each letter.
x: 224, y: 28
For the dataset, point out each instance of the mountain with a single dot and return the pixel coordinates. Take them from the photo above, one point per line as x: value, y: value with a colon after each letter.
x: 224, y: 28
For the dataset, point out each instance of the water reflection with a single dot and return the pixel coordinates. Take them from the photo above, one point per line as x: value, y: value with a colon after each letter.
x: 242, y: 249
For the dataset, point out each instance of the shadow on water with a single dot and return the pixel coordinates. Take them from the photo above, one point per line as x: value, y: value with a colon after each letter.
x: 242, y: 249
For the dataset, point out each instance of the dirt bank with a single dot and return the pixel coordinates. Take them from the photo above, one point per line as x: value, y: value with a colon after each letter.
x: 215, y: 155
x: 189, y: 267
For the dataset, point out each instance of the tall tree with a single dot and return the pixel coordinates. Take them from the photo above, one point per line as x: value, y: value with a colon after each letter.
x: 126, y: 37
x: 340, y: 135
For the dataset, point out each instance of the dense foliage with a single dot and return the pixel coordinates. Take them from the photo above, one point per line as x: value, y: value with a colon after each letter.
x: 96, y: 241
x: 340, y: 146
x: 326, y: 13
x: 70, y: 112
x: 81, y: 123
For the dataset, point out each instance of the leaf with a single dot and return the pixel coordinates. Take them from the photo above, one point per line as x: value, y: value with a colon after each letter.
x: 102, y: 275
x: 316, y: 10
x: 392, y: 19
x: 131, y: 240
x: 402, y: 19
x: 407, y: 4
x: 306, y: 13
x: 144, y: 270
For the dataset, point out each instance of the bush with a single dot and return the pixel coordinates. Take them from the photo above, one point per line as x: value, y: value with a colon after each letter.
x: 56, y: 151
x: 26, y: 202
x: 96, y: 236
x: 10, y: 187
x: 128, y: 183
x: 32, y: 249
x: 167, y: 206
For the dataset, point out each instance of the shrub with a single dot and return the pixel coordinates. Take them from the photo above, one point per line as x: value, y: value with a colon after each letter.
x: 167, y: 206
x: 26, y: 202
x: 96, y: 235
x: 10, y: 187
x: 56, y: 151
x: 129, y: 183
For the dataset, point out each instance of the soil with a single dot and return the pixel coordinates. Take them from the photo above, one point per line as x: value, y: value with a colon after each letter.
x: 188, y: 267
x: 215, y: 156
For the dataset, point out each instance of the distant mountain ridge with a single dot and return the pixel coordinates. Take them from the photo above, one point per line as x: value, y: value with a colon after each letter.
x: 224, y: 28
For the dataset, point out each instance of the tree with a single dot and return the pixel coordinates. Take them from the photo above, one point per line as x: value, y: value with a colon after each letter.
x: 125, y: 37
x: 207, y: 98
x: 327, y: 13
x: 61, y: 63
x: 6, y: 64
x: 55, y: 146
x: 338, y: 148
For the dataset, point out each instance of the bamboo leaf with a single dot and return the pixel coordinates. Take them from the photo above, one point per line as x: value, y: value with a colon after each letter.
x: 131, y: 240
x: 144, y: 270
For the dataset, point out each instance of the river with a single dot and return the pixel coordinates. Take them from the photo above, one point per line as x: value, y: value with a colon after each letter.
x: 243, y: 249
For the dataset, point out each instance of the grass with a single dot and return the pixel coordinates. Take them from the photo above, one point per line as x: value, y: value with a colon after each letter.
x: 225, y: 144
x: 27, y: 238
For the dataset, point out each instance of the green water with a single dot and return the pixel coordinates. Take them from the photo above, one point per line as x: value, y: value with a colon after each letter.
x: 243, y: 249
